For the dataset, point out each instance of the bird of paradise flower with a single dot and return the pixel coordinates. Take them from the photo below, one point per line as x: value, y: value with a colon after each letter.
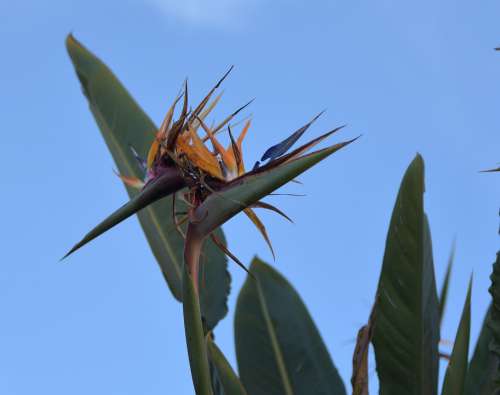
x: 212, y: 182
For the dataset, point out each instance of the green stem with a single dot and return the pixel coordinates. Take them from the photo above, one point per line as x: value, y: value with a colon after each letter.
x: 195, y: 337
x: 192, y: 251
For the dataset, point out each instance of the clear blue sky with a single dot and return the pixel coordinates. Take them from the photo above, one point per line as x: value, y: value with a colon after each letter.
x: 409, y: 77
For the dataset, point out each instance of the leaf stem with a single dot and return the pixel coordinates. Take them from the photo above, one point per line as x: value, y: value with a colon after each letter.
x: 195, y: 336
x: 192, y: 251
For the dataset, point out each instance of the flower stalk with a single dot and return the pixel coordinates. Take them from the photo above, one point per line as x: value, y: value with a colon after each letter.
x: 192, y: 251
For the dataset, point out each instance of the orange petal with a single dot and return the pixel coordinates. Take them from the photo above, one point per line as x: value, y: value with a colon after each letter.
x: 233, y: 153
x: 235, y: 150
x: 153, y: 150
x: 243, y: 134
x: 239, y: 143
x: 133, y: 182
x: 178, y: 126
x: 227, y: 159
x: 168, y: 119
x: 198, y: 154
x: 225, y: 121
x: 196, y: 123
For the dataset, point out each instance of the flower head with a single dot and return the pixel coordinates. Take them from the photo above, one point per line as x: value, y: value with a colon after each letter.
x: 187, y: 158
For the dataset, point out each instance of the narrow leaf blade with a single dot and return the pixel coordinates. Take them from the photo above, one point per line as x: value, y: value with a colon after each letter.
x: 231, y: 384
x: 454, y: 380
x: 443, y: 295
x: 491, y: 170
x: 494, y: 322
x: 483, y: 364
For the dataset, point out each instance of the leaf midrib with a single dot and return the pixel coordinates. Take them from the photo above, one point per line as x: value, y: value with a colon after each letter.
x: 274, y: 342
x: 147, y: 210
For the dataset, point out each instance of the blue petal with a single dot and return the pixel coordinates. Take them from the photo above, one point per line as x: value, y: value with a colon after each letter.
x: 281, y: 148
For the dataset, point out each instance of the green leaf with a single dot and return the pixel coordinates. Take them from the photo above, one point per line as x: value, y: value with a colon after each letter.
x: 454, y: 379
x: 443, y: 296
x: 491, y: 170
x: 247, y: 190
x: 195, y: 338
x: 278, y: 347
x: 494, y: 322
x: 124, y: 124
x: 229, y: 382
x: 483, y: 365
x: 406, y: 329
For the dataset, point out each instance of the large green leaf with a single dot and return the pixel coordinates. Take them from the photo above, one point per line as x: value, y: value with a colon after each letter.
x: 248, y: 190
x: 123, y: 124
x: 443, y: 295
x: 454, y: 379
x: 406, y: 329
x: 195, y: 338
x: 228, y: 381
x: 494, y: 322
x: 483, y: 365
x: 278, y: 347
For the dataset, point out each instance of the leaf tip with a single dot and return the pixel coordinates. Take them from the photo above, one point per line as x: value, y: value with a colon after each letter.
x: 67, y: 254
x: 72, y: 44
x: 418, y: 160
x: 70, y: 40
